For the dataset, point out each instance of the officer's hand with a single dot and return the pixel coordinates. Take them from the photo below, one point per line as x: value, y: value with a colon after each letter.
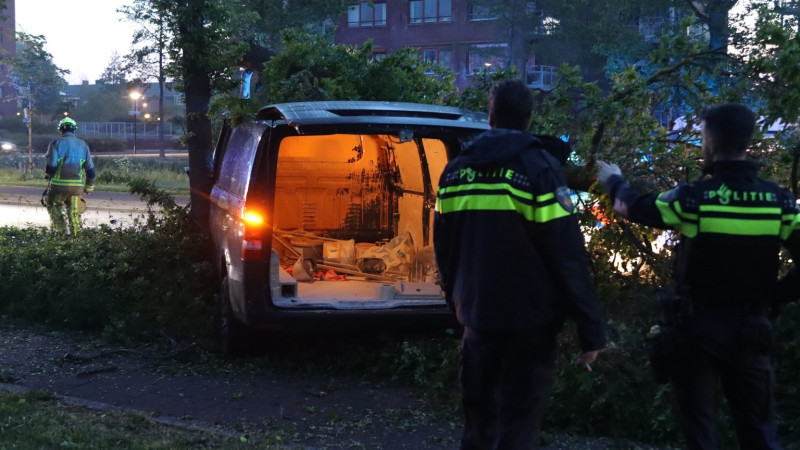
x: 86, y: 192
x: 605, y: 171
x: 588, y: 357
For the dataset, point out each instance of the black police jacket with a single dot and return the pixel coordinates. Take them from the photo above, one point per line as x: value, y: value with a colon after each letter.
x: 507, y: 241
x: 733, y: 225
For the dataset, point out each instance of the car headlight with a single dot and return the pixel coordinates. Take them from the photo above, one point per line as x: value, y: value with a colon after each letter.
x: 7, y: 146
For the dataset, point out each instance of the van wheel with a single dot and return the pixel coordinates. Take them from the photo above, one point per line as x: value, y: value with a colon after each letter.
x: 232, y: 333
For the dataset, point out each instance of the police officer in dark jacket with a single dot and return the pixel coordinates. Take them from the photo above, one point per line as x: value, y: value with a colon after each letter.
x: 732, y: 225
x: 514, y: 266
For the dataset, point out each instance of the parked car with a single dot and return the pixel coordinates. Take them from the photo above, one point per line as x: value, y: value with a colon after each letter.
x: 321, y: 216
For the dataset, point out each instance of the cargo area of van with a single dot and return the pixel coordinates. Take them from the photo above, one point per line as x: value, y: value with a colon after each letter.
x: 353, y: 222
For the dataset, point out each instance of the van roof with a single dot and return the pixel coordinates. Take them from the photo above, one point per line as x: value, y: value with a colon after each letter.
x: 376, y: 113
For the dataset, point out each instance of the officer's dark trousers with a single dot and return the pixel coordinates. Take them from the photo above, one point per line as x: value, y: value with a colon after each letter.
x: 733, y: 354
x: 506, y: 381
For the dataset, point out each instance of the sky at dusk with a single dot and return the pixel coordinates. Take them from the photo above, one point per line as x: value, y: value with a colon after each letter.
x: 81, y: 35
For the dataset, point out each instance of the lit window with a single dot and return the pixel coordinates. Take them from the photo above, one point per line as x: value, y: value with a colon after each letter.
x: 488, y: 57
x: 430, y: 11
x: 367, y: 14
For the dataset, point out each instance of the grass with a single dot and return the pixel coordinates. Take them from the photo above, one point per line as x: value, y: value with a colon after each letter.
x: 38, y: 420
x: 112, y: 171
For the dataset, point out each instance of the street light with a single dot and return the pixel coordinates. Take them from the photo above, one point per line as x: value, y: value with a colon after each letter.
x: 135, y: 96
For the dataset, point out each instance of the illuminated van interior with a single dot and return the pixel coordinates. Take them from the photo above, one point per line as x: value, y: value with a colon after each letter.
x: 353, y: 221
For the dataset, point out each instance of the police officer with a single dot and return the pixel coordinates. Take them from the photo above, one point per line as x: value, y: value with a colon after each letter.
x: 70, y: 169
x: 726, y: 271
x: 513, y: 266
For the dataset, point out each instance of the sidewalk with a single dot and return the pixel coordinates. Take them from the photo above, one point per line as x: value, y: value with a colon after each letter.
x: 21, y: 206
x: 312, y: 412
x: 236, y: 399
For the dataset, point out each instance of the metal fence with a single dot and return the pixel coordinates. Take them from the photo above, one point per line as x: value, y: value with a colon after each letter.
x: 125, y: 130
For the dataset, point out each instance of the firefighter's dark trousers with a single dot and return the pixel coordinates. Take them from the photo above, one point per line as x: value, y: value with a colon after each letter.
x: 506, y: 381
x: 732, y: 354
x: 67, y: 200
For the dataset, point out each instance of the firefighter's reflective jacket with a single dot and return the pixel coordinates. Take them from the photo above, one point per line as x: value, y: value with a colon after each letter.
x: 733, y: 225
x: 69, y: 163
x: 507, y: 241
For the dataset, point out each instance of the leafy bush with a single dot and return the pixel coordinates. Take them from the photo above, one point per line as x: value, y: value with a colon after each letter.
x: 167, y: 174
x: 128, y: 283
x: 99, y: 144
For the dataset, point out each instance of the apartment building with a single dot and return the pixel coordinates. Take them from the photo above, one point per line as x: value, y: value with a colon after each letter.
x: 465, y: 37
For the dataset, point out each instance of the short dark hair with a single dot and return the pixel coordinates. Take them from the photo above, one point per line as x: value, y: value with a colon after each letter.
x: 511, y: 105
x: 730, y: 126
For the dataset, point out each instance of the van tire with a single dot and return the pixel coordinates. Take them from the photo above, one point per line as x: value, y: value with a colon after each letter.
x: 232, y: 333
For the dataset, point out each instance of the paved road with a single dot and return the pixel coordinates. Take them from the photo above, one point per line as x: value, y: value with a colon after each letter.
x: 20, y: 206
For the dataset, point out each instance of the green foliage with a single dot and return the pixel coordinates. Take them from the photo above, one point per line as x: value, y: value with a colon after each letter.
x: 113, y: 172
x: 612, y: 121
x: 312, y: 69
x: 261, y: 24
x: 101, y: 103
x: 605, y: 37
x: 99, y: 144
x: 787, y: 365
x: 35, y: 77
x: 475, y: 97
x: 39, y: 420
x: 129, y: 283
x: 429, y: 363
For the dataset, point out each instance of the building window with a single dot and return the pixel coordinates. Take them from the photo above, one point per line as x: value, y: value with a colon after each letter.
x: 477, y: 12
x: 430, y: 11
x: 541, y: 77
x: 367, y: 14
x: 442, y: 57
x: 488, y: 57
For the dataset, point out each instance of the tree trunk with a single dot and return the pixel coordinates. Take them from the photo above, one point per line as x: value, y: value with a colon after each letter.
x: 197, y: 88
x: 795, y: 165
x: 161, y: 79
x: 718, y: 28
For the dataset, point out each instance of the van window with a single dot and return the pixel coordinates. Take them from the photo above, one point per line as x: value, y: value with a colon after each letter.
x: 238, y: 159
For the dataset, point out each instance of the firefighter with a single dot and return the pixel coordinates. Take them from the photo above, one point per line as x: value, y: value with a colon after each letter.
x: 732, y: 225
x: 513, y: 266
x: 71, y: 173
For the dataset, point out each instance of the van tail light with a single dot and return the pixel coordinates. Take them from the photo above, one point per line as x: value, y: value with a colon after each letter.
x: 252, y: 240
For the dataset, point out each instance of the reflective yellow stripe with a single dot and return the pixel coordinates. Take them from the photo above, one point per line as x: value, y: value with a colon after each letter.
x: 742, y: 209
x: 548, y: 208
x: 740, y: 227
x: 74, y: 214
x: 674, y: 216
x: 741, y: 220
x: 78, y: 183
x: 789, y: 224
x: 499, y: 197
x: 485, y: 203
x: 486, y: 187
